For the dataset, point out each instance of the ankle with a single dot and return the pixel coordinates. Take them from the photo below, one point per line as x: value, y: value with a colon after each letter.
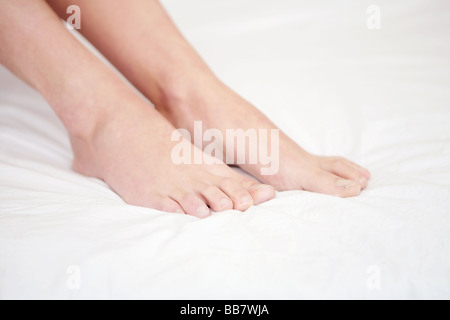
x: 84, y: 129
x: 87, y: 140
x: 86, y: 106
x: 179, y: 93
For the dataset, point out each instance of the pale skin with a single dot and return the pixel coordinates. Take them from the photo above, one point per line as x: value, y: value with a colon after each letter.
x: 120, y: 138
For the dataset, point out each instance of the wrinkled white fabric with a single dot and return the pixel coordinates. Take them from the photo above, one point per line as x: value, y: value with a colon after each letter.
x: 378, y: 97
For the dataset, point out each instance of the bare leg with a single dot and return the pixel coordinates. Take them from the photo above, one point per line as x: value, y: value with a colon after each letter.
x: 139, y: 38
x: 116, y: 136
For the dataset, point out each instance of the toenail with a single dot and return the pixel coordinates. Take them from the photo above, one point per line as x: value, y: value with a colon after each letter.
x: 261, y: 187
x: 203, y: 212
x: 224, y: 203
x: 363, y: 181
x: 345, y: 183
x: 246, y: 201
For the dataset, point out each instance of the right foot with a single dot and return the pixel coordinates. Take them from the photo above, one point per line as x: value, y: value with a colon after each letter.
x: 131, y: 152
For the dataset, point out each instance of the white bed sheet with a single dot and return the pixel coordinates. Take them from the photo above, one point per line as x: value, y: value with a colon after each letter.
x: 380, y: 98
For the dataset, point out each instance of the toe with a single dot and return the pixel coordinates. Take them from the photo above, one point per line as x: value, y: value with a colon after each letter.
x: 261, y: 193
x: 216, y: 199
x: 361, y: 170
x: 241, y: 198
x: 171, y: 206
x: 346, y: 188
x: 194, y: 205
x: 347, y: 170
x: 328, y: 183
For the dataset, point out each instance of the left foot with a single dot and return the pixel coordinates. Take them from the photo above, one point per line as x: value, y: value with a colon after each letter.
x: 218, y: 107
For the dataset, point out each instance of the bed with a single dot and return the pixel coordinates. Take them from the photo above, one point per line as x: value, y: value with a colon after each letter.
x: 368, y: 80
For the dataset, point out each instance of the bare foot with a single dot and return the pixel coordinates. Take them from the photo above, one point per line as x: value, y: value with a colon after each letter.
x: 115, y: 134
x: 131, y: 152
x: 219, y: 107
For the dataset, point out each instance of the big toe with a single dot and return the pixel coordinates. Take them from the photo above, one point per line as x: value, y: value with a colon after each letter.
x: 240, y: 196
x: 328, y: 183
x: 347, y: 170
x: 261, y: 193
